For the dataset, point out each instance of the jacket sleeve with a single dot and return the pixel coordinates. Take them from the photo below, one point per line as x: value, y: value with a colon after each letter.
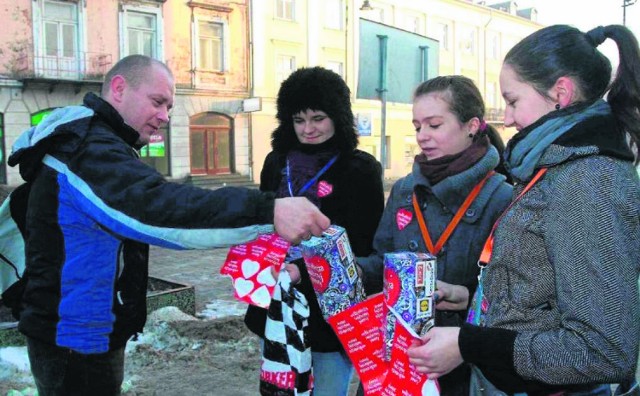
x: 364, y: 205
x: 372, y: 265
x: 112, y: 186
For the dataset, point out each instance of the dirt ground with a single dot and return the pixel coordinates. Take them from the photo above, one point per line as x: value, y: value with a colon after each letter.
x: 195, y: 357
x: 180, y: 355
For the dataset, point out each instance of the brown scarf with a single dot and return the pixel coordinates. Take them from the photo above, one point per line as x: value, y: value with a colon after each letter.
x: 440, y: 168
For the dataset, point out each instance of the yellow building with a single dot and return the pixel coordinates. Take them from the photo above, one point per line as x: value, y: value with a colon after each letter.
x: 288, y: 34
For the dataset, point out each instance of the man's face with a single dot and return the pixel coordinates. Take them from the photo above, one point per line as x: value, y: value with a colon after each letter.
x: 146, y: 108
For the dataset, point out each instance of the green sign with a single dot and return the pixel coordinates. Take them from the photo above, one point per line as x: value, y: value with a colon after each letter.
x: 409, y: 57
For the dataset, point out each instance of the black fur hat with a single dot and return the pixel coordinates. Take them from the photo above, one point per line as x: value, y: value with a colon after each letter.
x: 314, y: 88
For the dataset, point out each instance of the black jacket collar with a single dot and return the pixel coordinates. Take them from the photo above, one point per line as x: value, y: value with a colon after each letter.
x: 110, y: 115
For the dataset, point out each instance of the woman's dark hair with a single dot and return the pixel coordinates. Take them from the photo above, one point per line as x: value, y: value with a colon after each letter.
x: 465, y: 102
x: 560, y: 50
x: 314, y: 88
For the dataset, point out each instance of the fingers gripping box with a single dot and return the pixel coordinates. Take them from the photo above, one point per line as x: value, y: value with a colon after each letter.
x: 332, y: 269
x: 409, y: 284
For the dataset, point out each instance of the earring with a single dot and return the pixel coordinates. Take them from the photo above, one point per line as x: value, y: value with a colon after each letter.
x: 470, y: 135
x: 557, y: 106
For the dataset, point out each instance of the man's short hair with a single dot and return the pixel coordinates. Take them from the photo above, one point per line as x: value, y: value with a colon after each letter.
x: 134, y: 69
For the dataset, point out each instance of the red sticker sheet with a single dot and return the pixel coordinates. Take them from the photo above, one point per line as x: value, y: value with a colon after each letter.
x: 249, y: 266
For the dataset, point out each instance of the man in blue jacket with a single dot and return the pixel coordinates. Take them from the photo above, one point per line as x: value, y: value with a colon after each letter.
x: 90, y: 209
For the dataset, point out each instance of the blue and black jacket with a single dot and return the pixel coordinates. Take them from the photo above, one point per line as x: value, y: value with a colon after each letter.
x: 93, y: 209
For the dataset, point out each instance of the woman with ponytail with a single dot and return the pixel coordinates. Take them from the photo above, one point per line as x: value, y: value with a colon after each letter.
x: 560, y: 280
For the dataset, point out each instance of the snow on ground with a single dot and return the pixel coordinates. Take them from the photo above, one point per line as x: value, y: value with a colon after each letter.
x: 222, y: 308
x: 14, y: 361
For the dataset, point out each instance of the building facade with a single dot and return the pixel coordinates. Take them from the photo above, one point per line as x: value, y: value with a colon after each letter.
x: 54, y: 51
x: 229, y: 58
x: 472, y: 40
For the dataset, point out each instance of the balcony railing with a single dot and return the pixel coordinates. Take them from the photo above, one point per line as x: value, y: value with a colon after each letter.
x: 80, y: 66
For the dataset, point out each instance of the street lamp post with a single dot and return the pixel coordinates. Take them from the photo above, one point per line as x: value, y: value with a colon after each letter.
x: 625, y: 4
x: 382, y: 91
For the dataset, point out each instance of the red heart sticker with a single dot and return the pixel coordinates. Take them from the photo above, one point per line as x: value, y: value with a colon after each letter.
x: 319, y: 272
x: 403, y: 217
x: 324, y: 189
x: 392, y: 286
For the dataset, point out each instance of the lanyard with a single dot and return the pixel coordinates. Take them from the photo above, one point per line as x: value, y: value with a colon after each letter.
x: 453, y: 223
x: 313, y: 180
x: 485, y: 256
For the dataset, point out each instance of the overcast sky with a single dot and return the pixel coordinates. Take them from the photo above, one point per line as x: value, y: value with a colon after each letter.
x: 587, y: 14
x: 584, y: 14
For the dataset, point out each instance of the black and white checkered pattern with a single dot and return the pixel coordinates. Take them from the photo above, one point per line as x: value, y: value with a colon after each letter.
x: 286, y: 361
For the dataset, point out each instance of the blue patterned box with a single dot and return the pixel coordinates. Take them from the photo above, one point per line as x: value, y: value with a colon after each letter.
x: 409, y: 284
x: 332, y: 269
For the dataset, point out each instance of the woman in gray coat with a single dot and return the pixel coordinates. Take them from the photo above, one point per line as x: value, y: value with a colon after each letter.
x: 456, y: 156
x: 561, y: 280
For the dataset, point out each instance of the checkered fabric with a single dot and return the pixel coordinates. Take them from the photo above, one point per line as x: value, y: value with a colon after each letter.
x: 286, y: 356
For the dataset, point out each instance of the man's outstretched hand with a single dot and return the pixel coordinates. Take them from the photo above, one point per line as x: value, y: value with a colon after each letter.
x: 296, y: 219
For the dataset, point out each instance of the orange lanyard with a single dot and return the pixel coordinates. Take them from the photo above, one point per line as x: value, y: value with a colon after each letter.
x: 485, y: 256
x: 454, y: 222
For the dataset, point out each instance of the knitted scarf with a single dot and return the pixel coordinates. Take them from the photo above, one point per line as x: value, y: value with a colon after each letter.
x: 305, y: 160
x: 438, y: 169
x: 525, y: 149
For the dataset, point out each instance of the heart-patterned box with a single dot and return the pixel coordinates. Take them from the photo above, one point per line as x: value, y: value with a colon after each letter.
x: 331, y: 266
x: 249, y: 266
x: 408, y: 287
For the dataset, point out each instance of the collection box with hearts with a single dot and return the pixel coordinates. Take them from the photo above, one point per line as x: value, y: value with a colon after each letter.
x: 409, y: 284
x: 332, y: 268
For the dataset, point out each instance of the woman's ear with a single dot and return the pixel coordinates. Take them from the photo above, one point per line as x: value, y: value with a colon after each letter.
x: 564, y: 91
x: 473, y: 125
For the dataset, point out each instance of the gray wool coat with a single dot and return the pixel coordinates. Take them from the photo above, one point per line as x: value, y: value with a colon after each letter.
x: 457, y: 261
x: 564, y: 271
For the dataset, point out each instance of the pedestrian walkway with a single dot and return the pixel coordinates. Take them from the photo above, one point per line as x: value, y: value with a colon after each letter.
x: 198, y: 268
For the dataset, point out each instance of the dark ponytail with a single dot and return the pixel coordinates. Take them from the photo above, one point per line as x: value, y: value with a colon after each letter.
x: 624, y: 94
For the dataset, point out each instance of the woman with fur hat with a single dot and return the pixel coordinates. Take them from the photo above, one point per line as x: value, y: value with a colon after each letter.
x: 316, y: 136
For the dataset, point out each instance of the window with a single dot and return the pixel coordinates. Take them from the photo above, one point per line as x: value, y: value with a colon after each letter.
x: 468, y: 43
x: 494, y: 46
x: 60, y: 29
x: 337, y: 67
x: 334, y: 14
x: 442, y: 34
x: 285, y: 9
x: 412, y: 23
x: 57, y: 39
x: 285, y: 66
x: 142, y: 31
x: 491, y: 95
x: 36, y: 118
x: 156, y: 153
x: 210, y: 51
x: 377, y: 15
